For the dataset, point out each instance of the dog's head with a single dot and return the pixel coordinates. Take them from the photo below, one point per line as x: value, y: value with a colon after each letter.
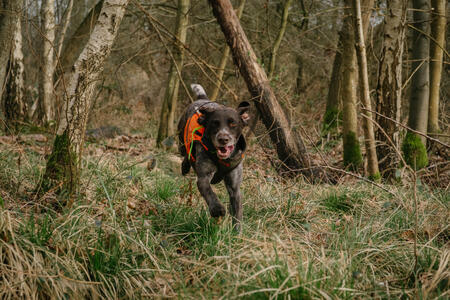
x: 224, y: 125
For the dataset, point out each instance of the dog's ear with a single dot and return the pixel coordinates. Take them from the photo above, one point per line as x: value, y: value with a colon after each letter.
x: 242, y: 110
x: 204, y: 111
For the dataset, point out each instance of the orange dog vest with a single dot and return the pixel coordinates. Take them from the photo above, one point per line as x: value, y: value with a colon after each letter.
x: 193, y: 131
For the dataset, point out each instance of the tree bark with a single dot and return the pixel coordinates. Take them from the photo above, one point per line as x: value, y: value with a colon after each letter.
x: 352, y: 151
x: 14, y: 107
x: 436, y: 56
x: 331, y: 116
x: 289, y: 145
x: 334, y: 98
x: 73, y: 46
x: 62, y: 33
x: 372, y: 160
x: 224, y: 59
x: 277, y: 43
x: 389, y: 86
x: 46, y: 95
x: 167, y: 116
x: 8, y: 14
x: 63, y: 164
x: 419, y: 98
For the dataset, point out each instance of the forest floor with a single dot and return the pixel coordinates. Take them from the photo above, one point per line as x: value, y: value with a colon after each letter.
x: 139, y: 229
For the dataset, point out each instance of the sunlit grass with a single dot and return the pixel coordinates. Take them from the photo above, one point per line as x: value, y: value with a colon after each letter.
x: 133, y: 233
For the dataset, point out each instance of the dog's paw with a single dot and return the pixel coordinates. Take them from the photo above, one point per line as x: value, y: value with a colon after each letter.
x: 217, y: 210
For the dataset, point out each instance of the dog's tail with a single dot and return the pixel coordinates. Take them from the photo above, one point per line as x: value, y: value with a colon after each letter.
x: 198, y: 91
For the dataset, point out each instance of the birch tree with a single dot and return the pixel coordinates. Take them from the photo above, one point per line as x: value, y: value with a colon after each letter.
x: 389, y: 86
x: 46, y: 95
x: 436, y: 55
x: 14, y: 107
x: 76, y: 41
x: 9, y: 12
x: 414, y: 145
x: 167, y: 116
x: 63, y: 165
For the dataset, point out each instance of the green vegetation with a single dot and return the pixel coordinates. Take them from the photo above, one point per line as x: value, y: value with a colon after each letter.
x: 62, y: 164
x: 414, y: 151
x: 352, y: 151
x: 330, y: 121
x: 132, y: 233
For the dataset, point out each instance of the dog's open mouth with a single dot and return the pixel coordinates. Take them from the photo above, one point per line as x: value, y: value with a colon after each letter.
x: 225, y: 152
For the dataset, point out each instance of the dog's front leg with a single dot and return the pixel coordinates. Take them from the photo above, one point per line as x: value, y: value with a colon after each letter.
x: 205, y: 171
x: 233, y: 184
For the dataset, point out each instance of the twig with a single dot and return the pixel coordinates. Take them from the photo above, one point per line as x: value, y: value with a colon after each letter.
x: 197, y: 58
x: 407, y: 127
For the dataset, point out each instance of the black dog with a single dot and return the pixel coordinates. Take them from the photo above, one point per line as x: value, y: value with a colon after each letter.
x: 211, y: 141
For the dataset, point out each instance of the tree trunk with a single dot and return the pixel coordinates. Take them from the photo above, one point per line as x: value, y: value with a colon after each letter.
x: 414, y: 145
x: 331, y: 116
x: 167, y: 116
x: 62, y: 33
x: 224, y: 59
x: 73, y: 46
x: 13, y: 98
x: 436, y: 55
x: 372, y: 160
x: 334, y: 99
x: 277, y: 43
x: 9, y: 12
x: 389, y: 86
x: 289, y: 145
x: 46, y: 95
x: 352, y: 151
x: 63, y: 164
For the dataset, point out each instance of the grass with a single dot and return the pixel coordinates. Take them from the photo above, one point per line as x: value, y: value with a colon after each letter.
x: 132, y: 233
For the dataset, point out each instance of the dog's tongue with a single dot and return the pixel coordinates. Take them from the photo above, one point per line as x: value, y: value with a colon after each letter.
x: 225, y: 152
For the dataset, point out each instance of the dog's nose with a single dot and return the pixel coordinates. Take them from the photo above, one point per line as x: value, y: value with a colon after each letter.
x: 223, y: 140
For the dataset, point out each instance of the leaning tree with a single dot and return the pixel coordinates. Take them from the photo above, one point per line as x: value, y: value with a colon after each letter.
x: 288, y: 143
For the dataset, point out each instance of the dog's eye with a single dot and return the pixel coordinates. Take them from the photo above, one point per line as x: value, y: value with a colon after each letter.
x: 232, y: 123
x: 215, y: 123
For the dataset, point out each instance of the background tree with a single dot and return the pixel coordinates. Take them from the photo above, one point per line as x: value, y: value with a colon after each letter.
x: 9, y: 13
x: 276, y: 44
x: 167, y: 117
x: 13, y: 101
x: 63, y: 165
x: 372, y: 160
x: 46, y: 89
x: 389, y: 86
x: 352, y: 150
x: 414, y: 144
x: 224, y: 59
x: 331, y: 115
x: 436, y: 55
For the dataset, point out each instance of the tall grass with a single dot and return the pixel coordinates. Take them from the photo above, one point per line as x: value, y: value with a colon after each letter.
x: 132, y: 233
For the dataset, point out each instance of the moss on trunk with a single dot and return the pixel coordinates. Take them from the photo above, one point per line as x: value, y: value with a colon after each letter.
x: 414, y: 151
x: 331, y: 119
x: 352, y: 151
x: 61, y: 172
